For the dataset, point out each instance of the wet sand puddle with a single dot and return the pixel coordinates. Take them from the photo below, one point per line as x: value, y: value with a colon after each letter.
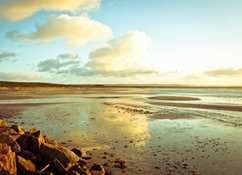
x: 130, y: 136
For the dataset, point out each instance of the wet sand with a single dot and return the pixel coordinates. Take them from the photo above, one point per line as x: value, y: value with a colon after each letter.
x: 176, y: 98
x: 200, y: 106
x: 150, y: 139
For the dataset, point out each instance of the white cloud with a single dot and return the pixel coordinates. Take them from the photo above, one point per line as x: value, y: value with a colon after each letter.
x: 18, y: 76
x: 78, y: 30
x: 16, y: 10
x: 120, y: 57
x: 123, y: 54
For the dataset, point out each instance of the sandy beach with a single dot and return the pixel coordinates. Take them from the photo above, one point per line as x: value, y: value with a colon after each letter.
x: 154, y: 131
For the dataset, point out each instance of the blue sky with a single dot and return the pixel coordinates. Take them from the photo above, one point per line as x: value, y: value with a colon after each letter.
x: 122, y: 41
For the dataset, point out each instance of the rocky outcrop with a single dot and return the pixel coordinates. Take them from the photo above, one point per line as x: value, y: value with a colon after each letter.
x: 7, y: 160
x: 30, y: 153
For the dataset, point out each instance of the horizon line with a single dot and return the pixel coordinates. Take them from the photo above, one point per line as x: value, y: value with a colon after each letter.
x: 154, y: 85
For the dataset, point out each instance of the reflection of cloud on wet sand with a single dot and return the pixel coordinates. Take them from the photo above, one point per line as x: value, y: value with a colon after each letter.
x: 113, y: 124
x: 88, y: 123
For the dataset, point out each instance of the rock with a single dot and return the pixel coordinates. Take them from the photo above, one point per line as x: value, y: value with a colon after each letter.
x: 7, y: 130
x: 29, y: 142
x: 39, y: 135
x: 2, y: 123
x: 80, y: 170
x: 4, y: 172
x: 15, y: 147
x: 46, y: 173
x: 60, y: 168
x: 87, y: 158
x: 78, y: 152
x: 25, y: 164
x: 26, y: 154
x: 7, y: 160
x: 82, y: 163
x: 65, y: 156
x: 74, y: 173
x: 24, y: 141
x: 19, y: 129
x: 106, y: 164
x: 7, y: 139
x: 49, y: 141
x: 33, y: 130
x: 97, y: 170
x: 16, y: 136
x: 120, y: 164
x: 29, y: 172
x: 38, y: 160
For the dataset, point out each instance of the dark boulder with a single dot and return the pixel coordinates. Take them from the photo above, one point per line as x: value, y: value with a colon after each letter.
x: 19, y: 129
x: 78, y: 152
x: 65, y: 156
x: 29, y: 142
x: 97, y: 170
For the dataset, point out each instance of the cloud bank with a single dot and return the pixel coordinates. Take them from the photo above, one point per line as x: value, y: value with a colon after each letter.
x: 16, y: 10
x: 5, y: 56
x: 120, y: 57
x: 224, y: 72
x: 78, y: 30
x: 18, y: 76
x: 58, y: 65
x: 68, y: 56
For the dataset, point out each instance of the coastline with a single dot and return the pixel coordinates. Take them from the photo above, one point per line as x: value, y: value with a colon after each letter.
x: 150, y: 139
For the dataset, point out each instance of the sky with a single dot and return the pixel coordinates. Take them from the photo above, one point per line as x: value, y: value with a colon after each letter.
x: 188, y: 42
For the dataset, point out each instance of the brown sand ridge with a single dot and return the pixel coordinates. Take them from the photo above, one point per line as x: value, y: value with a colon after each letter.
x: 178, y: 98
x: 9, y: 97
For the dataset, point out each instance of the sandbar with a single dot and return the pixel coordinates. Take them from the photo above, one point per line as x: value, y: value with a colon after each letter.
x: 176, y: 98
x: 200, y: 106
